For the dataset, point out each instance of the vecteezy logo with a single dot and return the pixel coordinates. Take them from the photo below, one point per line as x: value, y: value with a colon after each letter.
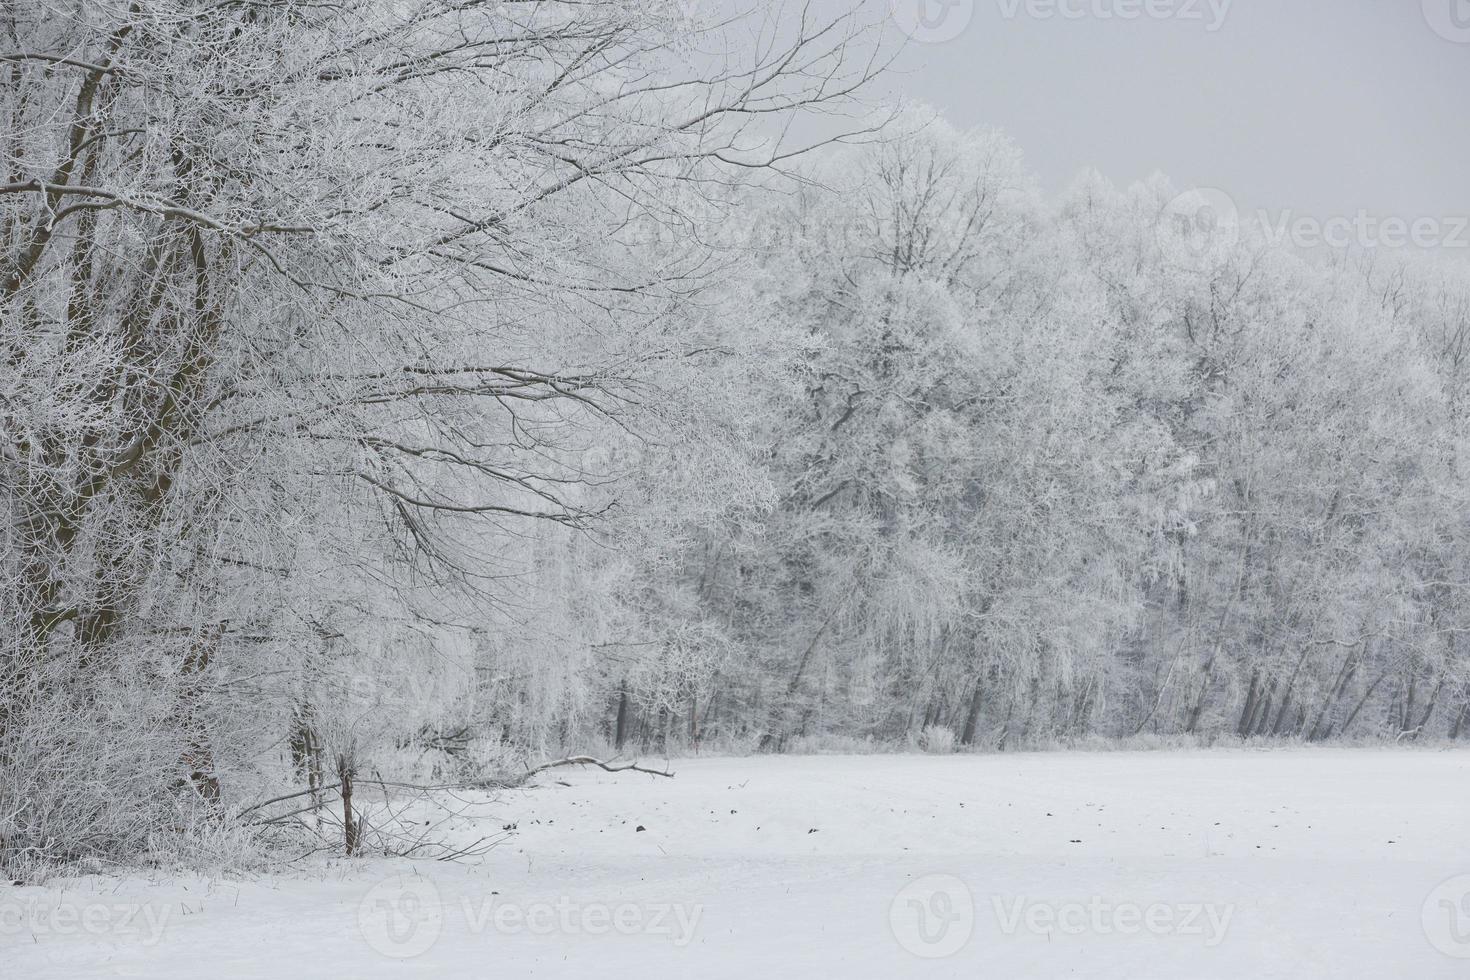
x: 1198, y: 226
x: 1449, y: 18
x: 933, y: 916
x: 932, y: 21
x: 401, y: 917
x: 1446, y: 917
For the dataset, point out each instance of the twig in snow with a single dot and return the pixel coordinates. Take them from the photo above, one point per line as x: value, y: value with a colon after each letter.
x: 587, y: 760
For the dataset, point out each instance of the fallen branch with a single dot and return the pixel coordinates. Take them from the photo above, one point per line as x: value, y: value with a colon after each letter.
x: 520, y: 780
x: 587, y: 760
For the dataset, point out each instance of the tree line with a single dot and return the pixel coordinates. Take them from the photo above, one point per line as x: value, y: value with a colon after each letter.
x: 405, y: 388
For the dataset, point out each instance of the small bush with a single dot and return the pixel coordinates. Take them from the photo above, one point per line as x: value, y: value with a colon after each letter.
x: 936, y: 740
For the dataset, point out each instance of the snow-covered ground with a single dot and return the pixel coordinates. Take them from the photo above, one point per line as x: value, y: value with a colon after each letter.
x: 1228, y: 864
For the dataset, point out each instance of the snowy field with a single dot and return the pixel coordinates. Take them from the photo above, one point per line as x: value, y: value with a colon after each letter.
x: 1228, y: 864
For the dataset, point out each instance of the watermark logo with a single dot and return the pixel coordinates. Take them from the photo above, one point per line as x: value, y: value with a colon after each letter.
x: 1209, y: 13
x: 1198, y: 227
x: 1446, y: 917
x: 675, y: 922
x: 1204, y: 920
x: 401, y: 917
x: 1366, y: 231
x: 1450, y: 19
x: 140, y: 921
x: 933, y: 916
x: 932, y: 21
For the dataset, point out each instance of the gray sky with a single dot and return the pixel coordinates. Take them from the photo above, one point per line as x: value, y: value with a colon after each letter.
x: 1324, y: 107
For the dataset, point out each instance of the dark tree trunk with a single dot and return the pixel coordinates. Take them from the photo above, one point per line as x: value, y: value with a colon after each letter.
x: 1459, y: 719
x: 1248, y: 712
x: 620, y: 733
x: 306, y: 753
x: 1423, y: 721
x: 1199, y: 702
x: 1353, y: 715
x: 972, y: 715
x: 346, y: 770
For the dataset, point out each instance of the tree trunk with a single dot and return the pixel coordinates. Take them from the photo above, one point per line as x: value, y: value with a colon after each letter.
x: 1248, y: 712
x: 620, y: 732
x: 1459, y: 719
x: 306, y: 754
x: 1361, y: 702
x: 346, y: 770
x: 1329, y: 701
x: 1428, y: 710
x: 972, y: 715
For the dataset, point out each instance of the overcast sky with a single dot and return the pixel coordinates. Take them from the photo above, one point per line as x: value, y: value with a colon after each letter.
x: 1324, y: 107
